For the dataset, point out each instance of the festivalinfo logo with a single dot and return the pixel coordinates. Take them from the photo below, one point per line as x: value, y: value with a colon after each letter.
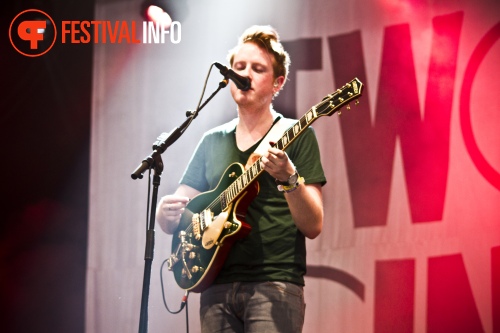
x: 33, y: 32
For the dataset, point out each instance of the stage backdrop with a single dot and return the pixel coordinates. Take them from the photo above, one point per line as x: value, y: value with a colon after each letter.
x: 411, y: 241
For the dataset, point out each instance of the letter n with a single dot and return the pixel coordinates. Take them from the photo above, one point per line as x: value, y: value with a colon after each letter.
x: 450, y: 303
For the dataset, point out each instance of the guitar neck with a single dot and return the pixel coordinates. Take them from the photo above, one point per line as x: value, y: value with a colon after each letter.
x: 328, y: 106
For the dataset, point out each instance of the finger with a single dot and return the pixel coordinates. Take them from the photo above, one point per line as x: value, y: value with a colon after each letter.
x: 176, y: 207
x: 264, y: 160
x: 174, y: 199
x: 277, y: 152
x: 275, y: 162
x: 182, y: 199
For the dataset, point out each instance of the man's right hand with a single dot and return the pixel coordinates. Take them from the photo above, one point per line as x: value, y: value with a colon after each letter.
x: 171, y: 207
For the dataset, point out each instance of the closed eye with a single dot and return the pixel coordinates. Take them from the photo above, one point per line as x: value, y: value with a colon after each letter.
x: 239, y: 66
x: 259, y: 69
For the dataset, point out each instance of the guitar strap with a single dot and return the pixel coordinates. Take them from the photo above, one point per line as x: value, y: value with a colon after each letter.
x: 275, y: 133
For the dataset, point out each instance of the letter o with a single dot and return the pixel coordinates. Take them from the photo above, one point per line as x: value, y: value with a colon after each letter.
x: 482, y: 49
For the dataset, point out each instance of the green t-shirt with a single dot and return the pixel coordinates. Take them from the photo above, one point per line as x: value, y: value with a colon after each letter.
x: 275, y: 249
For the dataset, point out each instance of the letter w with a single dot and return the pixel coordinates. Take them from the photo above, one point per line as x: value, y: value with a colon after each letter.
x: 369, y: 146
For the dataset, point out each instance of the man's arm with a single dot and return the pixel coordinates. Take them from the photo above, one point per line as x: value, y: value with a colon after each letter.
x: 305, y: 202
x: 171, y: 207
x: 306, y: 206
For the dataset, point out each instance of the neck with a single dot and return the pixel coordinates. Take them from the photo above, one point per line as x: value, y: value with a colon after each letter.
x: 255, y: 120
x: 252, y: 126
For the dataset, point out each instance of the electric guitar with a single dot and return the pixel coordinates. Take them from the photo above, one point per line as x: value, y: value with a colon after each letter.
x: 214, y: 220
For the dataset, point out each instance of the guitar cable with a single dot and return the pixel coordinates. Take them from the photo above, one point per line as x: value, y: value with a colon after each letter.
x: 184, y: 301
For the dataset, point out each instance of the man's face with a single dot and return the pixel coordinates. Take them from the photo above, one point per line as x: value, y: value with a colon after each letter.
x: 255, y: 63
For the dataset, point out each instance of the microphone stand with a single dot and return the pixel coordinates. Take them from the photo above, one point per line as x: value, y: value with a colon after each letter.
x: 154, y: 161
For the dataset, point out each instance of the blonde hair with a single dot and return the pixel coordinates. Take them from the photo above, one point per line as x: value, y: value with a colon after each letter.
x: 267, y: 38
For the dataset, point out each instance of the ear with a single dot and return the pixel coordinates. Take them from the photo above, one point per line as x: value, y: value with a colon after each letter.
x: 278, y: 83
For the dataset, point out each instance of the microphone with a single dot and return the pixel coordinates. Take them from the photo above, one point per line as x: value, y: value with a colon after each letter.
x: 242, y: 82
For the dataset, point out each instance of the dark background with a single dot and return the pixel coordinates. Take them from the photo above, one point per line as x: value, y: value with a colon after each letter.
x: 45, y: 131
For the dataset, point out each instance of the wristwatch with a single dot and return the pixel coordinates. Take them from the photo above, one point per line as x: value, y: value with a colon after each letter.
x: 292, y: 180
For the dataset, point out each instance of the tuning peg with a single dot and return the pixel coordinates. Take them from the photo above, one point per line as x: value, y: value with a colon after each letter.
x: 348, y: 107
x: 339, y: 113
x: 356, y: 102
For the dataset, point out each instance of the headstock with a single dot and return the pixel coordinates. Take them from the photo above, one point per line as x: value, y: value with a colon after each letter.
x: 342, y: 96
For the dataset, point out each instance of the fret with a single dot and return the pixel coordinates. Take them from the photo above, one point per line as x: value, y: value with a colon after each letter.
x: 233, y: 191
x: 296, y: 129
x: 304, y: 122
x: 285, y: 139
x: 223, y: 200
x: 310, y: 115
x: 300, y: 124
x: 254, y: 170
x: 279, y: 144
x: 245, y: 178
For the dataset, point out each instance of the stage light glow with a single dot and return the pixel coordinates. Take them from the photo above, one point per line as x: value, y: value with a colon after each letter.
x: 158, y: 15
x: 164, y: 12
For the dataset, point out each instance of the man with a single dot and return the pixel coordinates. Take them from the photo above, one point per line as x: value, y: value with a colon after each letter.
x: 260, y: 287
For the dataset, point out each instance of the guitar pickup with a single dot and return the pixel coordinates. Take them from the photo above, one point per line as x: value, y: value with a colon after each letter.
x: 206, y: 218
x: 196, y: 226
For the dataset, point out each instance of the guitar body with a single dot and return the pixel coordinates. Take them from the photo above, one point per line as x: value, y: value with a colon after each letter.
x: 197, y: 261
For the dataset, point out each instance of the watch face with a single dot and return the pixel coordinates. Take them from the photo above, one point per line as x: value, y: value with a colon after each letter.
x: 293, y: 178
